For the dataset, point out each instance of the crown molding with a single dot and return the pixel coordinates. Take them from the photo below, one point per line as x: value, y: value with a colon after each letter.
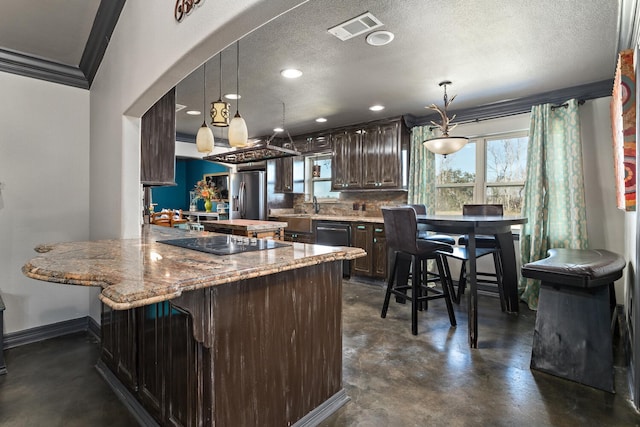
x: 42, y: 69
x: 105, y: 22
x: 15, y: 62
x: 520, y: 105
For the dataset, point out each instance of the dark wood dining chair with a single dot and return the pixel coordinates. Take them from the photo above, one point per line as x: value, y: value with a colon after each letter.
x: 401, y: 234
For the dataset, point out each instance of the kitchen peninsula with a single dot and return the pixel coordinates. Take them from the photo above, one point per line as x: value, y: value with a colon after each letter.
x: 250, y: 338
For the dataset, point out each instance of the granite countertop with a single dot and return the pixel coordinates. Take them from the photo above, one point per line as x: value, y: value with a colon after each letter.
x: 246, y: 224
x: 142, y: 271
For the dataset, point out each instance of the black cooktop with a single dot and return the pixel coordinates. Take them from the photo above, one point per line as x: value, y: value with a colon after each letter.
x: 224, y: 245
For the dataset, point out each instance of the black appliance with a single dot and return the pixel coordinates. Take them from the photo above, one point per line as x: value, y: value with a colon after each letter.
x: 335, y: 234
x: 224, y: 245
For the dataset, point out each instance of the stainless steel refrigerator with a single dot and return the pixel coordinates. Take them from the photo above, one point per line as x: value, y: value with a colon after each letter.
x: 248, y: 195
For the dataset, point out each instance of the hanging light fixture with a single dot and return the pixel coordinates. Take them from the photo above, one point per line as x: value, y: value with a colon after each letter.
x: 238, y: 133
x: 445, y: 144
x: 204, y: 138
x: 220, y: 109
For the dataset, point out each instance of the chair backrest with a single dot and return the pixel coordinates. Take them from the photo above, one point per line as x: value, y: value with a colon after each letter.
x: 400, y: 228
x: 419, y: 208
x: 482, y: 210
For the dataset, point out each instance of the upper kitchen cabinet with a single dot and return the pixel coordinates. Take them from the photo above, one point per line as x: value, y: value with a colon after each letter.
x: 313, y: 143
x: 370, y: 156
x: 346, y: 172
x: 289, y: 174
x: 158, y: 140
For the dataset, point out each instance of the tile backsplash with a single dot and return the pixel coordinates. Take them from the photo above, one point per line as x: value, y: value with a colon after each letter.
x: 363, y: 204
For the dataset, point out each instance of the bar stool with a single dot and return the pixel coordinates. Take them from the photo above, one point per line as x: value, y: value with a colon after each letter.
x: 401, y: 230
x: 422, y: 231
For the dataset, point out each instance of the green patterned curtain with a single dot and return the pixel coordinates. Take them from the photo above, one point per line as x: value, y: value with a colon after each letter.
x: 554, y: 200
x: 422, y: 170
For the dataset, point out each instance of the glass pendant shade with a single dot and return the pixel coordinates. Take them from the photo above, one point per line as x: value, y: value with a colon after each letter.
x: 220, y: 113
x: 238, y: 132
x: 204, y: 139
x: 445, y: 144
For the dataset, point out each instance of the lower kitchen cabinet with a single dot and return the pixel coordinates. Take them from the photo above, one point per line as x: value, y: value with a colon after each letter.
x: 291, y: 236
x: 371, y: 238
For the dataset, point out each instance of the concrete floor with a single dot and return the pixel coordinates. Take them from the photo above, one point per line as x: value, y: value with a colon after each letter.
x: 392, y: 377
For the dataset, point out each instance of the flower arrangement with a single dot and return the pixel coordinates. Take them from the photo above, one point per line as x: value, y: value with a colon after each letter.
x: 207, y: 191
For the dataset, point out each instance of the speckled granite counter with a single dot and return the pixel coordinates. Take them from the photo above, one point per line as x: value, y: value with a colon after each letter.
x: 137, y: 272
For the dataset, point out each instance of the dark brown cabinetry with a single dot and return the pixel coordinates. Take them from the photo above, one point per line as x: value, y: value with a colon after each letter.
x: 371, y: 238
x: 151, y: 351
x: 381, y: 156
x: 225, y: 356
x: 346, y: 172
x: 289, y: 173
x: 313, y: 143
x: 294, y: 236
x: 158, y: 142
x: 369, y: 157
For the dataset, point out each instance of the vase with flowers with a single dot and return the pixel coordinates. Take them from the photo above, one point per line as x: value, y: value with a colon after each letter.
x: 207, y: 192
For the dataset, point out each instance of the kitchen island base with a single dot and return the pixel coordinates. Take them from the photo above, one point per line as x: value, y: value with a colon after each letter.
x: 262, y: 351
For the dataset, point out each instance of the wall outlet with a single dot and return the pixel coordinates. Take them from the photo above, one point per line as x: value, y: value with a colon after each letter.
x: 356, y: 207
x: 364, y: 207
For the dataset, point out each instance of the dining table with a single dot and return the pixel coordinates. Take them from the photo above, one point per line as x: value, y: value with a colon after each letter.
x: 474, y: 225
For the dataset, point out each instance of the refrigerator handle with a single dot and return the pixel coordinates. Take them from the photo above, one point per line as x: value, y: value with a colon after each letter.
x: 242, y: 194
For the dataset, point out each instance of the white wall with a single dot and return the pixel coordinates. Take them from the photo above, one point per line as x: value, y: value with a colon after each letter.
x: 44, y: 194
x: 149, y: 53
x: 605, y: 222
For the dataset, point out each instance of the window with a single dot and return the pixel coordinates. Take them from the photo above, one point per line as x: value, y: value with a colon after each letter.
x: 486, y: 170
x: 320, y: 167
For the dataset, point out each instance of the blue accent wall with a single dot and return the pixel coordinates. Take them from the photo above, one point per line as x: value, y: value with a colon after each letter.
x: 188, y: 172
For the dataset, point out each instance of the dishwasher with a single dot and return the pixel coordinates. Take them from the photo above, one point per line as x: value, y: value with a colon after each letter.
x: 335, y: 234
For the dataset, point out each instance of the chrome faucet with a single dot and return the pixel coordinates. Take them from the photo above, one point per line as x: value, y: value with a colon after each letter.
x: 316, y: 205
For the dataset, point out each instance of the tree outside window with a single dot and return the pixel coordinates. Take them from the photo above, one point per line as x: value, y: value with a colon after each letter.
x: 502, y: 165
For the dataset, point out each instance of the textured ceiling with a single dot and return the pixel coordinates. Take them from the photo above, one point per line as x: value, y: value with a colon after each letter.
x: 492, y: 51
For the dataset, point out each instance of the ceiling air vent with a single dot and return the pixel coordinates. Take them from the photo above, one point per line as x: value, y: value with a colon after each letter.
x: 356, y: 26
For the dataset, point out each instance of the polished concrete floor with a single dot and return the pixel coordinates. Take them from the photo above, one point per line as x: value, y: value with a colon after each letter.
x: 392, y: 377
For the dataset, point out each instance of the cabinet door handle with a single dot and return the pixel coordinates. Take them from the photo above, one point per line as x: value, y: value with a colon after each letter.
x: 379, y: 230
x: 375, y: 240
x: 361, y: 227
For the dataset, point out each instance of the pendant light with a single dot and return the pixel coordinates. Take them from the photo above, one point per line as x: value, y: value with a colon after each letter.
x: 238, y: 132
x: 204, y: 138
x: 445, y: 144
x: 220, y: 109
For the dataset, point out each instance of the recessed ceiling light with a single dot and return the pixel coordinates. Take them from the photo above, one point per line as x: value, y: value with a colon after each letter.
x: 232, y: 96
x: 278, y: 130
x: 291, y: 73
x: 379, y: 38
x: 321, y: 120
x: 376, y: 108
x: 193, y: 112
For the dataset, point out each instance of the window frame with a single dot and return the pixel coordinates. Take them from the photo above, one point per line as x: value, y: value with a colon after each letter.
x: 311, y: 180
x: 480, y: 185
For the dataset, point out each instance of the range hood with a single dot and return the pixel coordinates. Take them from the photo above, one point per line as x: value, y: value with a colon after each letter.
x: 252, y: 154
x: 256, y: 153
